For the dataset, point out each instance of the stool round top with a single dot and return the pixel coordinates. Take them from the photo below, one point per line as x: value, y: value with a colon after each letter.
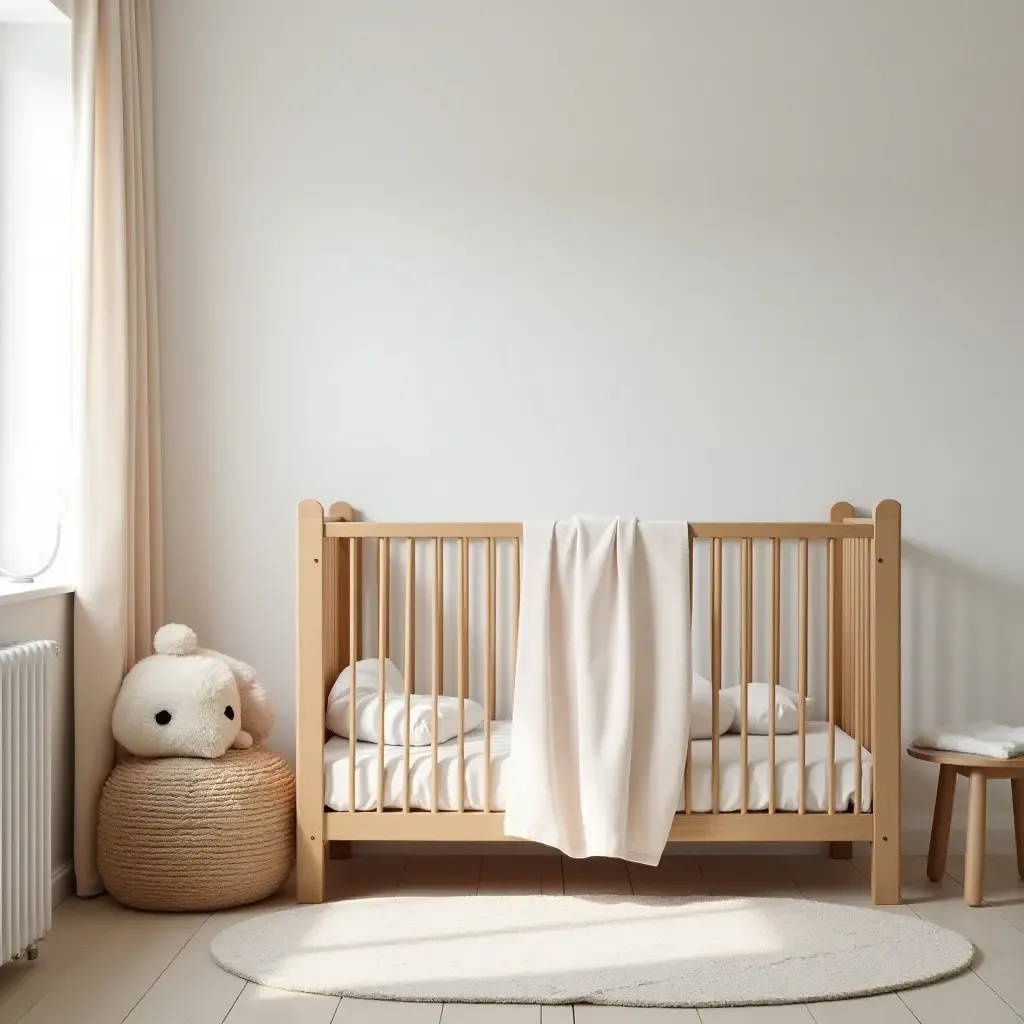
x: 956, y: 759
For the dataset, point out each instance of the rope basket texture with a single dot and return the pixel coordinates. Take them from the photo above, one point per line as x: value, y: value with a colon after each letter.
x: 186, y: 833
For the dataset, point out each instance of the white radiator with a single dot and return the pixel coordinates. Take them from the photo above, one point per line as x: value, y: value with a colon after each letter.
x: 25, y: 893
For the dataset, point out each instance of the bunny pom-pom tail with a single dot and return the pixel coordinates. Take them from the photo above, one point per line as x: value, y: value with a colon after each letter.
x: 174, y: 639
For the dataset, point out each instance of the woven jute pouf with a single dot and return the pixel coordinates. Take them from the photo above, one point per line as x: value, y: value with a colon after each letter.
x: 185, y: 833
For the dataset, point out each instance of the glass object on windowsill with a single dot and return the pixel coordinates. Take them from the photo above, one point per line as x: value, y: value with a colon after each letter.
x: 37, y: 537
x: 32, y: 575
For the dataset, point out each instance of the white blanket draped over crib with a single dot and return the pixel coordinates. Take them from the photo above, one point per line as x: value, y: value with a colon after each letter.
x: 602, y: 695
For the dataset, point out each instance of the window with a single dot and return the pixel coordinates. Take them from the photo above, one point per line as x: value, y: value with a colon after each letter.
x: 35, y: 279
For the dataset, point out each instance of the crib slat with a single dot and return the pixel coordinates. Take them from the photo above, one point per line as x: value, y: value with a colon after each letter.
x: 868, y: 650
x: 489, y: 693
x: 716, y: 665
x: 869, y: 724
x: 858, y: 670
x: 845, y: 632
x: 830, y: 662
x: 410, y: 655
x: 865, y: 651
x: 866, y: 719
x: 746, y: 642
x: 866, y: 710
x: 849, y: 635
x: 747, y: 559
x: 463, y: 653
x: 517, y: 574
x: 688, y: 769
x: 492, y: 627
x: 802, y: 679
x: 438, y: 666
x: 353, y: 650
x: 383, y: 612
x: 776, y: 655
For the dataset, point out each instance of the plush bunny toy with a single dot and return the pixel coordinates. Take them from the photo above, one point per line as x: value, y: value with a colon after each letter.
x: 185, y: 701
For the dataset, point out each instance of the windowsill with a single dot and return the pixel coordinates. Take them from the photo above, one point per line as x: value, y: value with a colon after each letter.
x: 13, y: 593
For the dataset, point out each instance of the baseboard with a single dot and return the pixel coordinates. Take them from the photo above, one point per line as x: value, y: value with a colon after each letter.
x: 62, y: 883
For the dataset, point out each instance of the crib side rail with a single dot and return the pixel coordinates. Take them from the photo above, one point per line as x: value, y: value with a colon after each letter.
x: 723, y: 531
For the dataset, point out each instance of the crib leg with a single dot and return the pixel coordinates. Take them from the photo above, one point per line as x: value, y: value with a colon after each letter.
x: 309, y: 873
x: 840, y: 851
x: 885, y: 873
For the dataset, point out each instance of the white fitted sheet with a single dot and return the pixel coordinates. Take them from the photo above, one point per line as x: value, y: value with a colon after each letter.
x: 787, y: 773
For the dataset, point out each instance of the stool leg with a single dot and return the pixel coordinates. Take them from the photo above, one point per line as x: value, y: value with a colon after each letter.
x: 1018, y: 821
x: 939, y: 845
x: 975, y: 867
x: 840, y: 851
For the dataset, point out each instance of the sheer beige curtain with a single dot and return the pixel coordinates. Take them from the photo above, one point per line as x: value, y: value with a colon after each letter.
x: 120, y: 579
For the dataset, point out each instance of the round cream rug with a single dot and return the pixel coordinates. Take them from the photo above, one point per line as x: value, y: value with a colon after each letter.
x: 626, y: 951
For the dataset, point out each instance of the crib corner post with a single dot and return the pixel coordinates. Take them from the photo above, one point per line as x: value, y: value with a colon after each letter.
x: 309, y: 684
x: 841, y: 510
x: 341, y: 511
x: 887, y: 749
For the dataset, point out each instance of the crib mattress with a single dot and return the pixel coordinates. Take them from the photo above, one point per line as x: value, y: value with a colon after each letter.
x: 787, y: 773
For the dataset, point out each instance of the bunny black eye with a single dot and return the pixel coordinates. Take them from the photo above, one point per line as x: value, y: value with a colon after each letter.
x: 229, y: 713
x: 162, y: 717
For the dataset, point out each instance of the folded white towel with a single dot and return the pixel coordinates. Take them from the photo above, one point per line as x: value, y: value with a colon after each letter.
x: 986, y: 739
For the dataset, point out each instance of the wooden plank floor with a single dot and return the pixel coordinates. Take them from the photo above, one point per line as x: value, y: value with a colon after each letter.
x: 103, y: 964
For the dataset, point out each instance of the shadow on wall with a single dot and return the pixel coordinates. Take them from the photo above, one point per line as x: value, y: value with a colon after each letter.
x: 963, y: 648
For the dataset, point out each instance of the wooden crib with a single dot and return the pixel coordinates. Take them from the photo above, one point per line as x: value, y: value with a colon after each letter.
x: 861, y: 557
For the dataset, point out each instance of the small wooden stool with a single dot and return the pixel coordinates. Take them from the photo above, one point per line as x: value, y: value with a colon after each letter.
x: 978, y: 770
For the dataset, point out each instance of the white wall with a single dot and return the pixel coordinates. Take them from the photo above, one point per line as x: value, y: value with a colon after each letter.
x: 51, y: 618
x: 34, y: 12
x: 706, y: 259
x: 35, y: 287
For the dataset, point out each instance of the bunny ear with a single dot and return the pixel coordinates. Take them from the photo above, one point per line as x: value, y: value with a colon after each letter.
x: 175, y: 639
x: 257, y: 708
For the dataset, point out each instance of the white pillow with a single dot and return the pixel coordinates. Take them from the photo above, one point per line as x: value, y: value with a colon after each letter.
x: 421, y: 716
x: 758, y: 704
x: 701, y: 717
x: 701, y: 688
x: 368, y: 678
